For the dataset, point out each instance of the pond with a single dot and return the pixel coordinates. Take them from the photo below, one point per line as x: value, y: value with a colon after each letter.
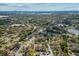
x: 74, y: 31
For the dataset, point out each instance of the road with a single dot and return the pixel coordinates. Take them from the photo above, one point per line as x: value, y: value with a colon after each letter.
x: 17, y: 53
x: 50, y: 50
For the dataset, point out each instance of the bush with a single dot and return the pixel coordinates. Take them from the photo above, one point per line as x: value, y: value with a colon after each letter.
x: 64, y: 48
x: 3, y: 53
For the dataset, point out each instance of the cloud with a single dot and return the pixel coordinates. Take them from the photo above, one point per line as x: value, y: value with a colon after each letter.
x: 39, y: 6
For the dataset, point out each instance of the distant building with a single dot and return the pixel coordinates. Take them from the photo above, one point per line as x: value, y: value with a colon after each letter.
x: 14, y: 25
x: 3, y: 16
x: 60, y: 25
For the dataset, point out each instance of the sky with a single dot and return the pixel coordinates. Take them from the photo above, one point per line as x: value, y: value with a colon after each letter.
x: 39, y: 6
